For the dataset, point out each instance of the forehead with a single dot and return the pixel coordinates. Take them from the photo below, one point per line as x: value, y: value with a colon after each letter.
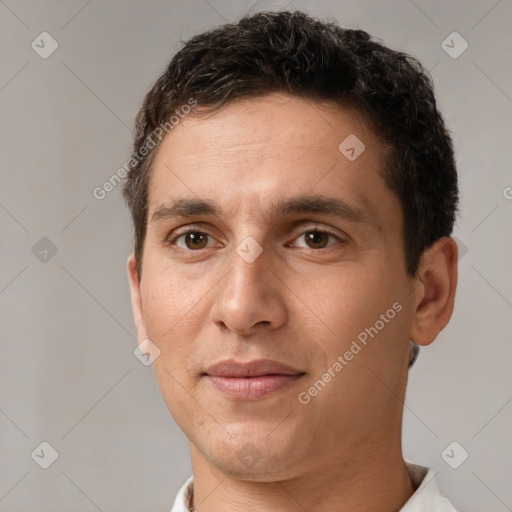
x: 255, y: 151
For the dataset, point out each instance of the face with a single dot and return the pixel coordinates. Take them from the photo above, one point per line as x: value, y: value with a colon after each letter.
x: 274, y: 287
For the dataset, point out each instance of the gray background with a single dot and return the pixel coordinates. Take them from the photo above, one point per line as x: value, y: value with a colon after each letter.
x: 68, y: 372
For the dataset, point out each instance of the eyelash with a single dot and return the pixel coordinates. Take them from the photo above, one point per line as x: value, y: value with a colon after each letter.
x: 171, y: 242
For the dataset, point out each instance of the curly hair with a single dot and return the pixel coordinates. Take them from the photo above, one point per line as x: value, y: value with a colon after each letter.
x: 295, y: 53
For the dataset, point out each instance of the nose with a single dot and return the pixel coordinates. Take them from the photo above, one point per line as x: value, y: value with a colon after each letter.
x: 250, y: 297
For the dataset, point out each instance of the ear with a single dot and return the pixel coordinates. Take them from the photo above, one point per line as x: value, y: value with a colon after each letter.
x: 435, y: 290
x: 133, y: 279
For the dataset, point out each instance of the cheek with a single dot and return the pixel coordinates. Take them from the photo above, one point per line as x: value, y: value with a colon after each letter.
x: 171, y: 310
x: 160, y: 309
x: 168, y: 299
x: 175, y: 310
x: 351, y: 304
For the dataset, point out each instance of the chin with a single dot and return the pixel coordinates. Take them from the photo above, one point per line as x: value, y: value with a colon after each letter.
x: 253, y: 457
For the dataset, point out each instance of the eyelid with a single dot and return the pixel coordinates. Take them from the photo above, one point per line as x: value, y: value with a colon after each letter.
x: 299, y: 232
x: 318, y: 229
x: 322, y: 229
x: 170, y: 240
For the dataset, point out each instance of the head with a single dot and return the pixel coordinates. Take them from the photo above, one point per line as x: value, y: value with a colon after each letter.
x: 316, y: 178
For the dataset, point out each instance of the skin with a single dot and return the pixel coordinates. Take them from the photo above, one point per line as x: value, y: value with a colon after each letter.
x: 297, y: 303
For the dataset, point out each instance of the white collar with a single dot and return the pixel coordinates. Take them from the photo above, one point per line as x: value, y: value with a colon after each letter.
x: 426, y: 498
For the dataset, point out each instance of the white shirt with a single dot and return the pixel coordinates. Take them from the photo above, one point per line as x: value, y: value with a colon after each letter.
x: 426, y: 498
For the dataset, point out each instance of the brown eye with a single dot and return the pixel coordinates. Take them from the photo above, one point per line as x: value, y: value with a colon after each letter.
x: 317, y: 239
x: 196, y: 240
x: 191, y: 240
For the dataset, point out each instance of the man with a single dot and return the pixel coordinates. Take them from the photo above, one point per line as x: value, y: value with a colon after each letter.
x: 293, y: 189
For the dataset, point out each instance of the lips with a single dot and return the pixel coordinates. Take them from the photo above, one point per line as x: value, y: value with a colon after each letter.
x: 254, y: 368
x: 251, y: 380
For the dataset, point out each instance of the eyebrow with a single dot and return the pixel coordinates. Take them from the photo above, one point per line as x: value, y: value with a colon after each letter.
x: 305, y: 204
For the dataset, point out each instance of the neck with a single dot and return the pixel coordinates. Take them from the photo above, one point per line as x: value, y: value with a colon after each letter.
x: 375, y: 480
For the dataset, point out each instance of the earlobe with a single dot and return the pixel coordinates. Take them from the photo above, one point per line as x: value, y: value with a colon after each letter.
x: 437, y: 275
x: 136, y: 298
